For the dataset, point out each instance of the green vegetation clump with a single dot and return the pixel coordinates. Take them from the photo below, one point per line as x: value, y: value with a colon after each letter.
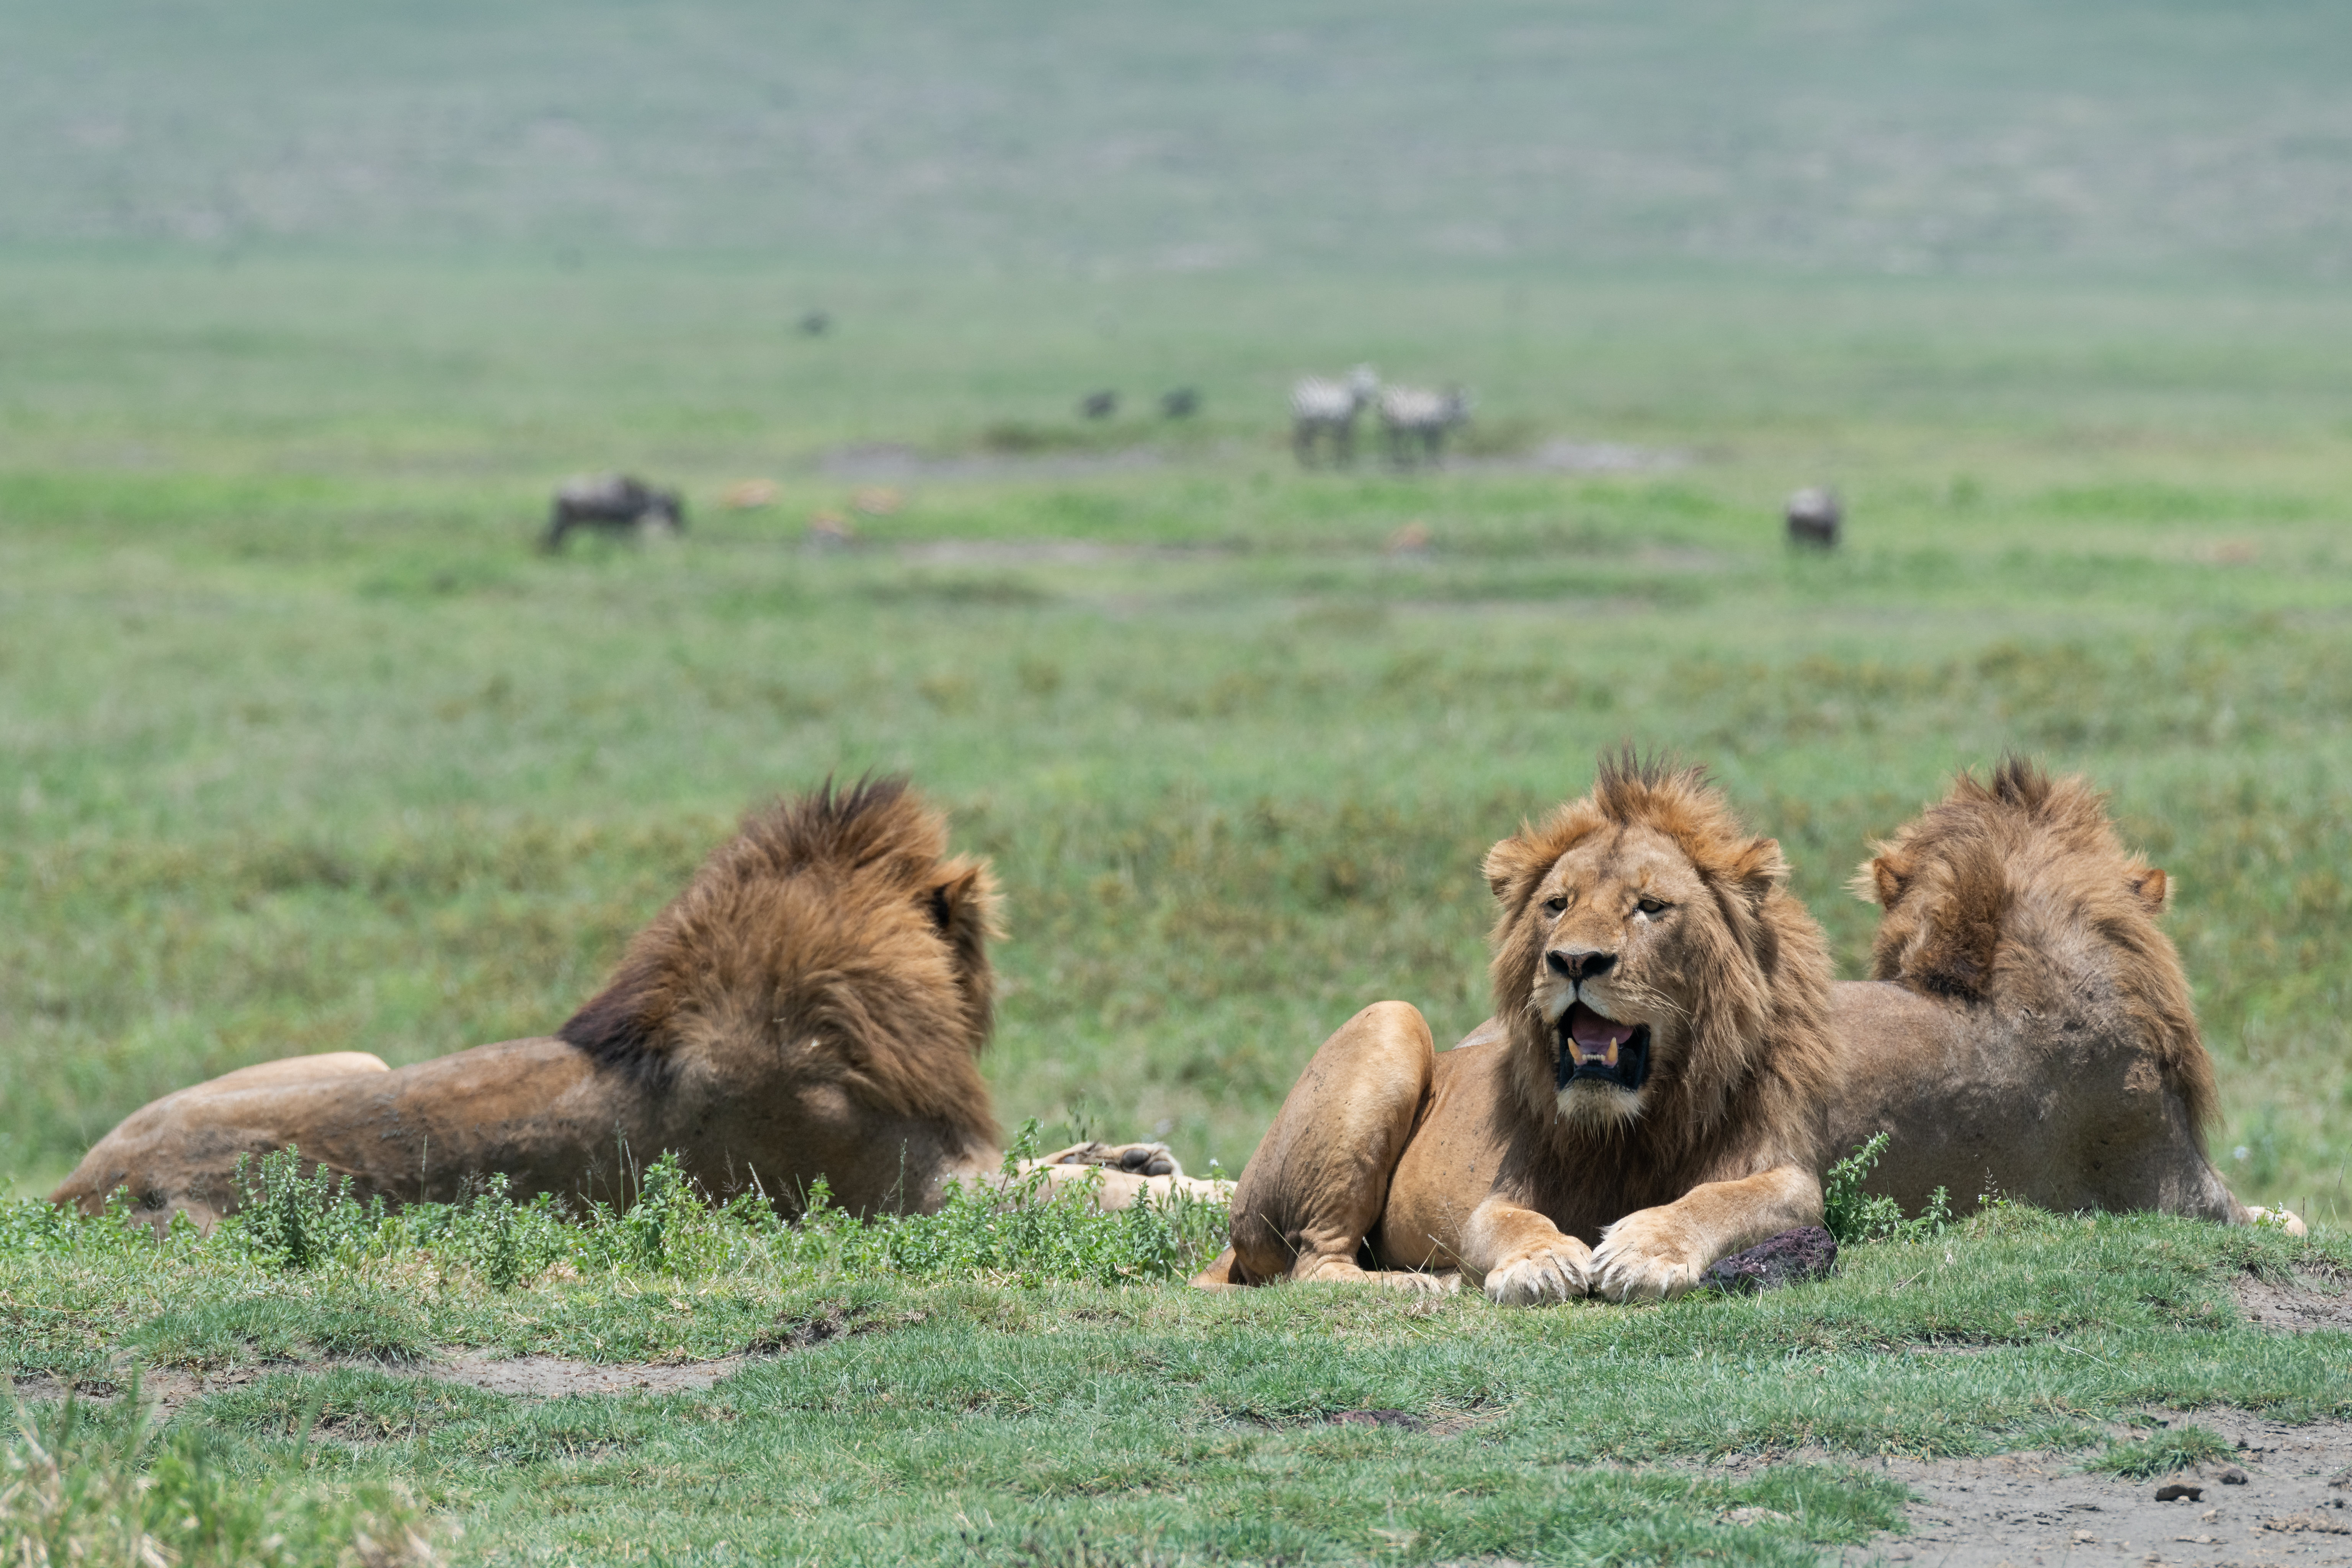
x: 2182, y: 1449
x: 1854, y: 1216
x: 105, y: 1489
x: 1016, y: 1229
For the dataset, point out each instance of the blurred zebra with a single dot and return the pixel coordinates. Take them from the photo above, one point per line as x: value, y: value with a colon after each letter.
x: 1415, y: 422
x: 1324, y: 410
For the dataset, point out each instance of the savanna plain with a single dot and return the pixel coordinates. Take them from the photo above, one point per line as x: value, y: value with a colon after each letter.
x: 305, y: 744
x: 313, y: 749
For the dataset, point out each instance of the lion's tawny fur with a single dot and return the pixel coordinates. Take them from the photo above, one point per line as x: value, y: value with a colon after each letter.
x: 799, y: 927
x: 1487, y: 1159
x: 813, y: 1003
x: 1758, y: 1057
x: 1984, y: 891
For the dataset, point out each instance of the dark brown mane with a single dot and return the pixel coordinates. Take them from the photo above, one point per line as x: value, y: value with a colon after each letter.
x: 835, y: 917
x: 1761, y: 1059
x: 1989, y: 876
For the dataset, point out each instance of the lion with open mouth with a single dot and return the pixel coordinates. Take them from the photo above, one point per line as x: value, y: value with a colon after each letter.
x: 1648, y: 1098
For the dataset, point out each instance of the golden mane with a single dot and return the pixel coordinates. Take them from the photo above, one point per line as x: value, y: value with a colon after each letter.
x: 836, y: 917
x: 1977, y: 889
x: 1761, y: 1058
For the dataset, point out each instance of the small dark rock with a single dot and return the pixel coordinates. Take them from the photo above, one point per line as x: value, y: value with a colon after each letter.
x: 2177, y: 1492
x: 1404, y: 1418
x: 1807, y: 1253
x: 2233, y: 1476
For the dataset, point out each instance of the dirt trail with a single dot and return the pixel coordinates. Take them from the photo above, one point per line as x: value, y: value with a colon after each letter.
x: 528, y: 1376
x: 2293, y: 1509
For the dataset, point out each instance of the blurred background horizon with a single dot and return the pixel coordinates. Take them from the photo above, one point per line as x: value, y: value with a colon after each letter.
x: 1992, y: 138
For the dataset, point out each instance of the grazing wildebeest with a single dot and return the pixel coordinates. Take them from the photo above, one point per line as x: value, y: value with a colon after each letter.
x: 1180, y: 403
x: 1815, y: 518
x: 614, y: 503
x: 814, y: 323
x: 1415, y: 422
x: 1098, y: 405
x: 1325, y: 411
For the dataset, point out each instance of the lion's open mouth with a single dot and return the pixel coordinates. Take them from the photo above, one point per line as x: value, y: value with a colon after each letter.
x: 1592, y: 1046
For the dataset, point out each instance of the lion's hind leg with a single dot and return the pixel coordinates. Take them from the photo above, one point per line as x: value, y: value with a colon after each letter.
x: 1317, y: 1183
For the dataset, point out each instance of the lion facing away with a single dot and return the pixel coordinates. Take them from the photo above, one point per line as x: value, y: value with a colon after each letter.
x: 813, y: 1003
x: 2027, y: 1025
x: 1646, y: 1099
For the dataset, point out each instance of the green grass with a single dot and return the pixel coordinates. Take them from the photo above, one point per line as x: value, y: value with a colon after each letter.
x: 304, y: 747
x: 887, y: 1413
x: 308, y: 750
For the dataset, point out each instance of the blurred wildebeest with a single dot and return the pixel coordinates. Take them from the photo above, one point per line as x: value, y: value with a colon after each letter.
x: 1324, y: 413
x: 814, y: 323
x: 1098, y: 405
x: 1815, y: 518
x: 1415, y: 422
x: 1180, y: 403
x: 614, y: 503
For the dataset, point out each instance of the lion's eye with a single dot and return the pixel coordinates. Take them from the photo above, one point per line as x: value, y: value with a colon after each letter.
x: 1653, y: 906
x: 1556, y: 904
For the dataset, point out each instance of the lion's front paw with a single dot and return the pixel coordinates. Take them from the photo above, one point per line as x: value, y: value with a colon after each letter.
x: 1136, y: 1159
x: 1557, y: 1272
x: 1646, y: 1257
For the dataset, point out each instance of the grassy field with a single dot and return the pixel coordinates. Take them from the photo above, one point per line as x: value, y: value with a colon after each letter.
x: 944, y: 1409
x: 312, y: 750
x: 303, y: 745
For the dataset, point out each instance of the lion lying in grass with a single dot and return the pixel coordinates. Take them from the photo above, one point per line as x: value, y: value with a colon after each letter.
x: 1648, y: 1099
x: 813, y: 1003
x: 2027, y: 1028
x: 1669, y: 1067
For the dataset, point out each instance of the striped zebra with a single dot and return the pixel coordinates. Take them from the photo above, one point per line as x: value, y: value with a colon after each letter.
x: 1415, y: 421
x: 1325, y: 412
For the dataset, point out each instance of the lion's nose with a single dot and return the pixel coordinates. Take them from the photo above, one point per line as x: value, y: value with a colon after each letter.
x: 1580, y: 964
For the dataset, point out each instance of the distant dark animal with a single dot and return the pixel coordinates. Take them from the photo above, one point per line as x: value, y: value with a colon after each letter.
x: 1415, y: 422
x: 1815, y: 518
x: 614, y: 503
x: 1098, y: 405
x: 815, y: 323
x: 1180, y: 403
x: 1323, y: 414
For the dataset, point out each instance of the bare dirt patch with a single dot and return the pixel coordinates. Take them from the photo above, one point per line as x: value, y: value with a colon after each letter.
x: 554, y: 1377
x: 886, y: 461
x: 2297, y: 1306
x: 2292, y: 1509
x: 527, y: 1377
x: 524, y: 1376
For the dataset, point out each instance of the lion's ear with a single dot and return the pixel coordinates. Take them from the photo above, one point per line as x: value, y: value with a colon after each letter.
x: 1881, y: 881
x: 961, y: 901
x: 1758, y: 868
x: 2153, y: 888
x: 1513, y: 868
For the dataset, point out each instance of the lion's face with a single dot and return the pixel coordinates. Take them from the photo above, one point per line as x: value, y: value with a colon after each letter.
x: 1611, y: 927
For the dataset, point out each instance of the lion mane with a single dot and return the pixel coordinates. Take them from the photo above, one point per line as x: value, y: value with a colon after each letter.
x: 797, y: 929
x: 813, y: 1003
x: 1758, y: 1058
x: 1648, y: 1096
x: 2027, y: 1025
